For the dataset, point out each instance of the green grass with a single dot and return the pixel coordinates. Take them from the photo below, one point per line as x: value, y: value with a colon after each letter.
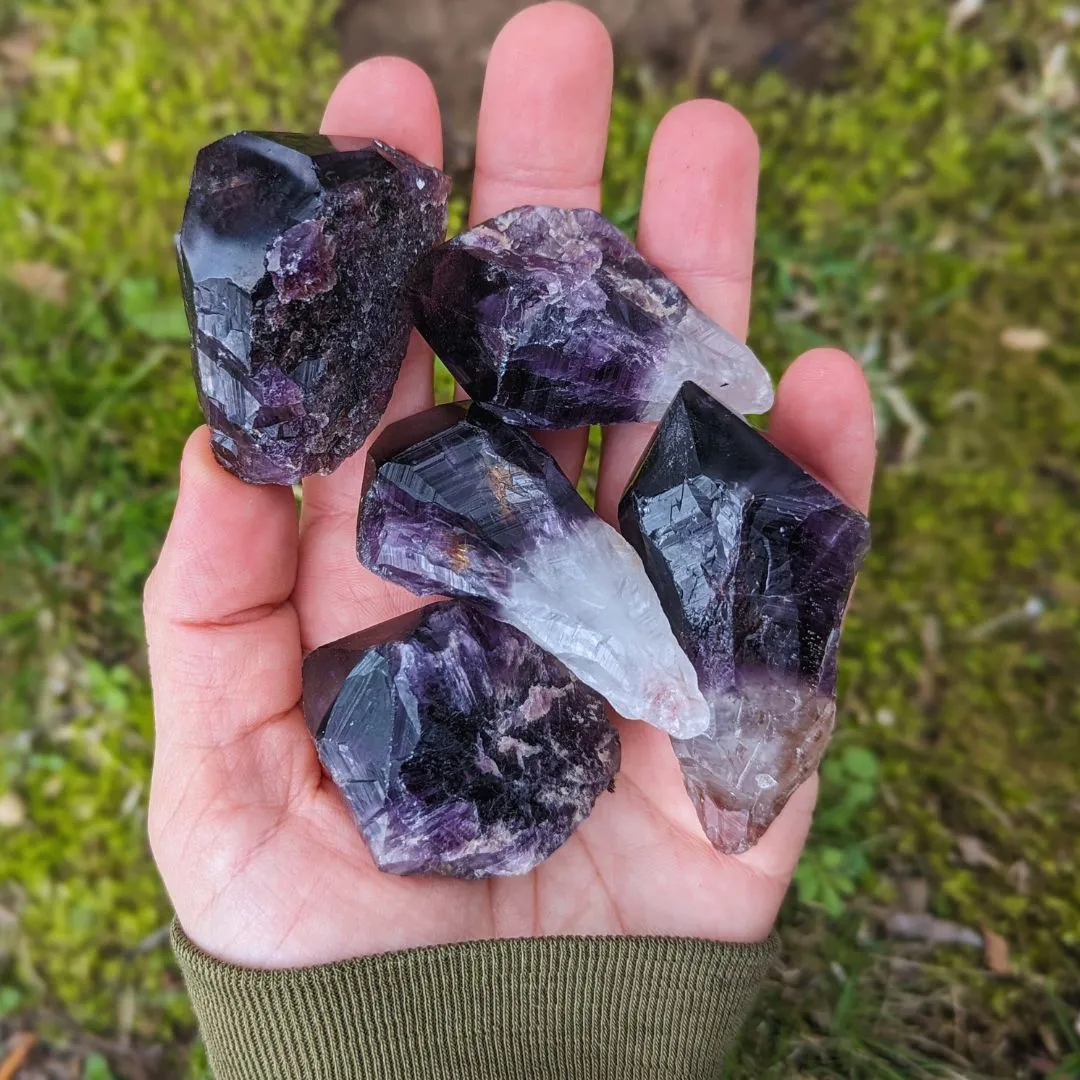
x: 915, y: 211
x: 94, y: 407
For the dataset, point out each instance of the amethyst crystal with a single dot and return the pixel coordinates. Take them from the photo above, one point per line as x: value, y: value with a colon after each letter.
x: 462, y: 747
x: 292, y: 254
x: 753, y: 560
x: 552, y: 319
x: 456, y: 502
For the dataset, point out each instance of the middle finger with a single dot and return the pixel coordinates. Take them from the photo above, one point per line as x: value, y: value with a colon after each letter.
x: 542, y: 132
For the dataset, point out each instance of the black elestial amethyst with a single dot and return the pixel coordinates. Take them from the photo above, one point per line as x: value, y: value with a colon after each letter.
x: 293, y: 252
x: 458, y: 503
x: 461, y: 747
x: 753, y: 560
x: 553, y: 319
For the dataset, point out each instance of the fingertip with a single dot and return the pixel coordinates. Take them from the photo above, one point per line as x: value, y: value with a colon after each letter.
x: 824, y: 419
x: 543, y: 127
x: 542, y: 130
x: 197, y: 461
x: 204, y: 478
x: 697, y: 224
x: 825, y: 365
x: 559, y: 22
x: 777, y: 853
x: 231, y: 545
x: 698, y: 206
x: 389, y: 98
x: 705, y: 130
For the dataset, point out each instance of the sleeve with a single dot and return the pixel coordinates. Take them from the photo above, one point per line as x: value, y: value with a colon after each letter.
x: 562, y: 1008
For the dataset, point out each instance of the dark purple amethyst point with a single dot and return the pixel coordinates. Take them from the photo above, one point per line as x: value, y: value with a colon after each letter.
x: 753, y: 560
x: 293, y: 252
x: 553, y: 319
x: 461, y: 747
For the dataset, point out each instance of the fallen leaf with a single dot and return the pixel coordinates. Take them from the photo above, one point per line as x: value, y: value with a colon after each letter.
x: 61, y: 134
x: 915, y: 895
x: 885, y: 717
x: 1050, y: 1040
x: 963, y: 11
x: 115, y: 152
x: 1019, y: 876
x: 902, y: 924
x: 975, y: 853
x: 996, y: 952
x: 19, y: 1047
x: 1025, y: 338
x: 17, y: 55
x: 12, y: 810
x: 41, y: 279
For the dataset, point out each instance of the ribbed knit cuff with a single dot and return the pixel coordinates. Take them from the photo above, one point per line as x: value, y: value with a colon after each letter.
x: 564, y: 1008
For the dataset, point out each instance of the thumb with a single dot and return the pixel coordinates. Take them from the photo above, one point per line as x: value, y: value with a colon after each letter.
x: 224, y: 647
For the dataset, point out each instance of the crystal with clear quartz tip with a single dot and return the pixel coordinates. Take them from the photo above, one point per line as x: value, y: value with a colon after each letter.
x: 553, y: 319
x: 753, y: 560
x: 459, y: 503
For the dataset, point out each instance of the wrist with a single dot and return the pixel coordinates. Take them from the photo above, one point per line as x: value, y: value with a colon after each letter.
x: 573, y: 1007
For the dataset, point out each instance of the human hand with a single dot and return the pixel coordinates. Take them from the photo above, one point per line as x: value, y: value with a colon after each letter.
x: 259, y: 853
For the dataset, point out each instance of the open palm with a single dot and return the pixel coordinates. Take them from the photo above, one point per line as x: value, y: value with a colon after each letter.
x: 259, y: 853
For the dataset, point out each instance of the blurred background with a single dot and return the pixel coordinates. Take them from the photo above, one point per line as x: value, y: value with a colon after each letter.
x: 919, y: 207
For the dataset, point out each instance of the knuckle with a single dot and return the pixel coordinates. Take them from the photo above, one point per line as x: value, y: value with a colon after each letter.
x: 151, y: 594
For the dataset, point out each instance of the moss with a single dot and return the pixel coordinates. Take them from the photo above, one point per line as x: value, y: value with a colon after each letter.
x: 107, y: 112
x: 913, y: 214
x: 913, y: 220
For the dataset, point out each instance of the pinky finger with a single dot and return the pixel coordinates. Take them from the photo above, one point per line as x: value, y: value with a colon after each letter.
x: 824, y: 419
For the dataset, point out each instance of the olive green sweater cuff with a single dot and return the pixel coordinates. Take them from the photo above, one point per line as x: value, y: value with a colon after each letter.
x: 564, y: 1008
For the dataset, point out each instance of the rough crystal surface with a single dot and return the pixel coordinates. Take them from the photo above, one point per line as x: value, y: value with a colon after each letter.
x: 553, y: 319
x: 459, y: 503
x: 292, y: 253
x: 753, y: 560
x: 461, y: 747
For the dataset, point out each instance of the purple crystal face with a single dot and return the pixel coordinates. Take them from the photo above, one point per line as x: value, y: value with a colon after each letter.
x: 552, y: 319
x: 458, y: 503
x: 753, y: 560
x: 461, y: 747
x: 293, y: 252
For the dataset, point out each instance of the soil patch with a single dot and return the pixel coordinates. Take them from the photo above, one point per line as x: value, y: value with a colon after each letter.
x: 676, y: 39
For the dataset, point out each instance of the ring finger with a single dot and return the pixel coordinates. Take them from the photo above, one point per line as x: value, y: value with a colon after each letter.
x: 697, y: 224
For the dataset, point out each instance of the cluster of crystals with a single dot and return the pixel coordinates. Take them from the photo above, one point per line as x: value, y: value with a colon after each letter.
x: 553, y: 319
x: 469, y: 738
x: 293, y: 252
x: 461, y: 746
x: 753, y: 560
